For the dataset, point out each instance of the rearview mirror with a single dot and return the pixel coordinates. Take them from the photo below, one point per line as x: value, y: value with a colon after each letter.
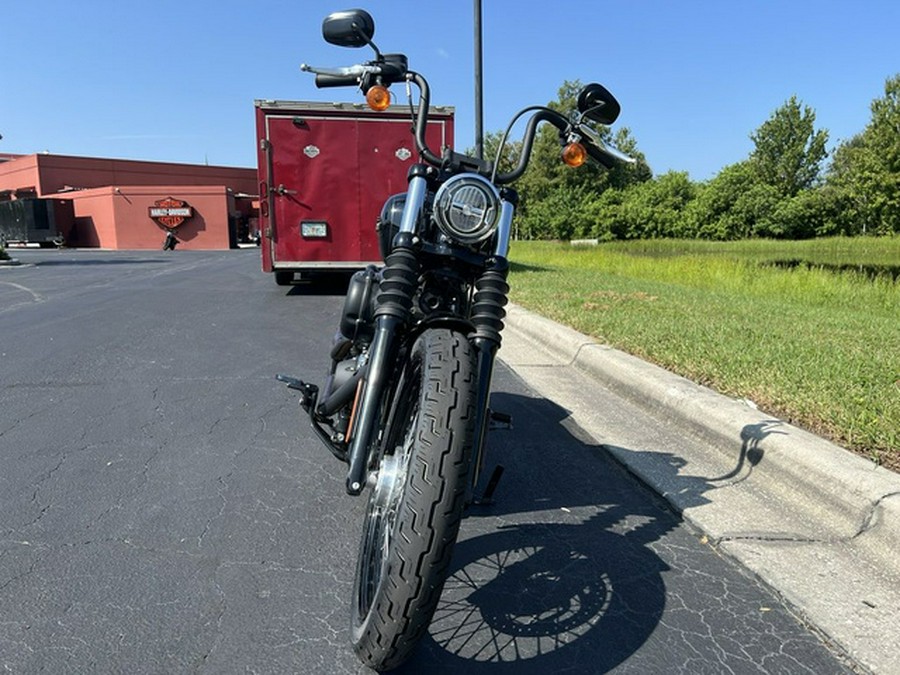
x: 349, y: 28
x: 597, y: 104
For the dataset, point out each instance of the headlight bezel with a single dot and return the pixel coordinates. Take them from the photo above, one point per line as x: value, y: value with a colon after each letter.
x: 467, y: 209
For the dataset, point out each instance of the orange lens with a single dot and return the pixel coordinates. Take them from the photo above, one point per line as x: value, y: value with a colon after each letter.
x: 574, y: 154
x: 378, y: 97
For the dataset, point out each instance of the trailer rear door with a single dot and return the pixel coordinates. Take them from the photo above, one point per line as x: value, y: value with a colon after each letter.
x: 328, y: 176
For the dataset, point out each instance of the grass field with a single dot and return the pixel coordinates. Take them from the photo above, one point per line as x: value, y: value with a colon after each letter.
x: 808, y: 331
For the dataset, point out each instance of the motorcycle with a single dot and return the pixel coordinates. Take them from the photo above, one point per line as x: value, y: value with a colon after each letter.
x: 406, y: 401
x: 171, y: 241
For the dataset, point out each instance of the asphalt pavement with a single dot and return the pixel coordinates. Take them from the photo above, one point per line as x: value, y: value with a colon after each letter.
x: 818, y: 524
x: 164, y: 508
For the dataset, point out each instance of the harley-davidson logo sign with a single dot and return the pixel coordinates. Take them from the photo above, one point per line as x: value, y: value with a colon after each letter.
x: 171, y: 212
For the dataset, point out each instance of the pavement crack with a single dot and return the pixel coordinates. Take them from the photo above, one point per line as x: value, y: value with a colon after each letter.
x: 220, y: 615
x: 37, y: 489
x: 770, y: 538
x: 21, y: 420
x: 870, y: 517
x: 21, y: 575
x: 222, y: 481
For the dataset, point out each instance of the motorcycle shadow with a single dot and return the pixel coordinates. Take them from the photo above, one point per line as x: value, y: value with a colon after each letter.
x: 561, y: 574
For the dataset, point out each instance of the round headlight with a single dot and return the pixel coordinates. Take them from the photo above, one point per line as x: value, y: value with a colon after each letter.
x: 467, y: 208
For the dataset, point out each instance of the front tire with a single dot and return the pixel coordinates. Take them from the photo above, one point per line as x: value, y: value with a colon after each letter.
x: 416, y: 505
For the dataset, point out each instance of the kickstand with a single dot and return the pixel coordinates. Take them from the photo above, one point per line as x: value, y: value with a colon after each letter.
x: 487, y: 497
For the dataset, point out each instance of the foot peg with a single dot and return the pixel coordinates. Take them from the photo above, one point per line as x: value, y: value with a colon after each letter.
x: 308, y: 392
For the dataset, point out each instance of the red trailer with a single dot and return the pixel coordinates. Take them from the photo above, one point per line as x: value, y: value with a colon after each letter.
x: 325, y: 170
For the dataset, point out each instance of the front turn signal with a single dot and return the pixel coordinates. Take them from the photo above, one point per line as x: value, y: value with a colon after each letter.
x: 378, y: 97
x: 574, y: 154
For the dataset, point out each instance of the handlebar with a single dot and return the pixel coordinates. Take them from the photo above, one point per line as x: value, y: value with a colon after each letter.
x: 542, y: 115
x: 360, y: 75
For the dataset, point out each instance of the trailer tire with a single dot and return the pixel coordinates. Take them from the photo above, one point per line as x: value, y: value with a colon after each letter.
x: 284, y: 277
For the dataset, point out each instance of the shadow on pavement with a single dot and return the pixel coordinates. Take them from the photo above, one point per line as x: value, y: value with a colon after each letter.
x: 575, y: 586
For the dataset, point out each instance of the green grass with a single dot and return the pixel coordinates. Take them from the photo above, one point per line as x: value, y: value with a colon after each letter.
x: 833, y: 250
x: 815, y: 346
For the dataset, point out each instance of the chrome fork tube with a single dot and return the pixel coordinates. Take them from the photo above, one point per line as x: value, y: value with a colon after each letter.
x: 504, y: 229
x: 415, y: 200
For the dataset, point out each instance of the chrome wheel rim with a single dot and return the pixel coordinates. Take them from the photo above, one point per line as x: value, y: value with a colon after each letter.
x: 389, y: 484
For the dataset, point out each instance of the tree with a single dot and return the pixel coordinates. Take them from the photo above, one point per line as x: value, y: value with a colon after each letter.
x: 865, y: 171
x: 883, y: 132
x: 567, y: 212
x: 714, y: 213
x: 655, y: 208
x: 768, y: 194
x: 809, y: 213
x: 789, y: 151
x: 854, y: 178
x: 512, y: 150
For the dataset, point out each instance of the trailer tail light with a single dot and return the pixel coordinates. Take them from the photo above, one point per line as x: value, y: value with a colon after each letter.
x: 314, y: 229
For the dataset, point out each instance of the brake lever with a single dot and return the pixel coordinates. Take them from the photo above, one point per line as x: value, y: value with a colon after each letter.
x: 346, y: 71
x: 594, y: 138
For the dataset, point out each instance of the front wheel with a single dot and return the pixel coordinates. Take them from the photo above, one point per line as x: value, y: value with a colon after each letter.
x: 417, y: 502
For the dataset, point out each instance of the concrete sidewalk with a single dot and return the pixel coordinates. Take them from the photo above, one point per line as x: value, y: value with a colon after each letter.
x: 817, y: 523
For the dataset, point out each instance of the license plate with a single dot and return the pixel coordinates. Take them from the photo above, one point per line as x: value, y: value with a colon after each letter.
x: 314, y: 228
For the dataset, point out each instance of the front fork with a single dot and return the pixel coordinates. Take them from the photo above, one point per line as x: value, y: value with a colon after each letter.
x: 398, y: 286
x: 488, y: 312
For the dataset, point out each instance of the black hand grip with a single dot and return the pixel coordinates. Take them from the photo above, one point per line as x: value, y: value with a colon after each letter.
x: 324, y: 81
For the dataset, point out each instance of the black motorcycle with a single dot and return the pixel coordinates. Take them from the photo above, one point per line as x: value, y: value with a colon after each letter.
x: 406, y: 402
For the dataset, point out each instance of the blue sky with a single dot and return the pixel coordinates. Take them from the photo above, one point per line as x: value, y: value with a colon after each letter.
x: 176, y: 81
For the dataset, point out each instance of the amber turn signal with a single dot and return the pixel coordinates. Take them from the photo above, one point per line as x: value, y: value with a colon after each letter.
x: 574, y: 154
x: 378, y: 97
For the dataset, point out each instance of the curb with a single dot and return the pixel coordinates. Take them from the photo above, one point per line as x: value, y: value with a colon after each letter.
x: 819, y: 515
x: 866, y: 497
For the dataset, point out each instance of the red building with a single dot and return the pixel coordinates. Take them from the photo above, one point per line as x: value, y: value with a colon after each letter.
x: 117, y: 203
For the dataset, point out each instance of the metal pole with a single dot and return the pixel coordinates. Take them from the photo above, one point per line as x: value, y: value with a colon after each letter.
x: 479, y: 103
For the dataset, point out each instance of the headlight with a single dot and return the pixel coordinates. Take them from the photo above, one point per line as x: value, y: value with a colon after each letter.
x: 467, y: 208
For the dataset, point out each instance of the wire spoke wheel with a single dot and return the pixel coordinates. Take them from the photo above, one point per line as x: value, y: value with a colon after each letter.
x: 384, y: 503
